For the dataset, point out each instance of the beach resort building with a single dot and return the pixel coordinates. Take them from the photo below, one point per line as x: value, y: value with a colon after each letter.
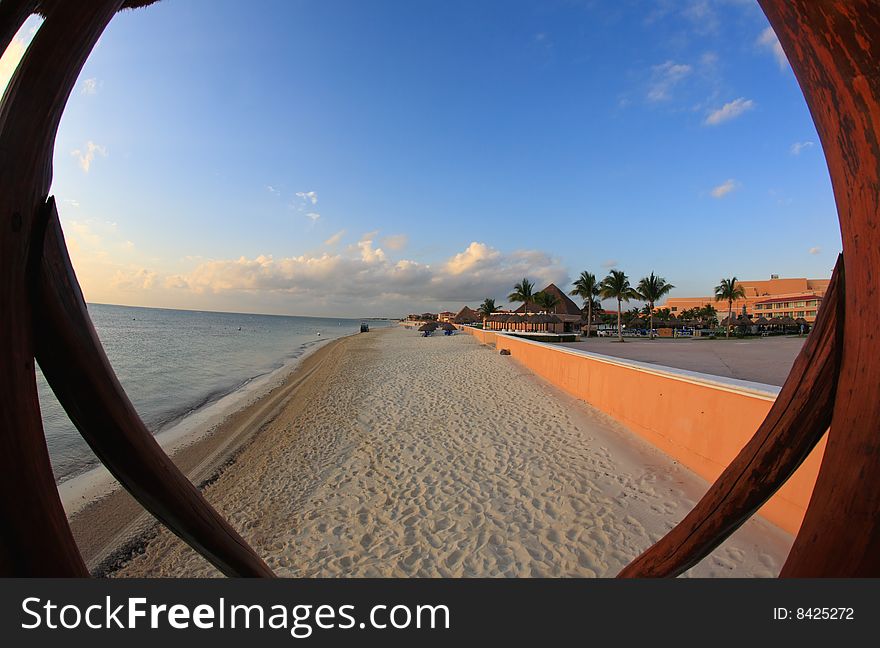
x: 774, y: 297
x: 467, y: 315
x: 568, y: 313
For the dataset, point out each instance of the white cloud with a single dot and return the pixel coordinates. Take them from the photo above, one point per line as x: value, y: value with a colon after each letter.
x: 724, y: 188
x: 314, y: 217
x: 815, y: 250
x: 610, y: 263
x: 90, y: 86
x: 798, y: 147
x: 730, y: 110
x: 475, y: 255
x: 769, y: 41
x: 86, y: 158
x: 308, y: 196
x: 396, y: 242
x: 134, y: 279
x: 360, y: 279
x: 702, y: 16
x: 273, y: 190
x: 664, y: 78
x: 333, y: 240
x: 71, y: 202
x: 369, y: 254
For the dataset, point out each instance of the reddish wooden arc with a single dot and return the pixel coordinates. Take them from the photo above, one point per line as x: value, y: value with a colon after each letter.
x: 834, y: 49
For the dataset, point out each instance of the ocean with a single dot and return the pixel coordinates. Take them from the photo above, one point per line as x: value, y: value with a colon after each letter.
x: 181, y: 367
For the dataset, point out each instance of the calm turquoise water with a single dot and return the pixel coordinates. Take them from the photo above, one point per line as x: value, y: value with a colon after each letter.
x: 173, y: 363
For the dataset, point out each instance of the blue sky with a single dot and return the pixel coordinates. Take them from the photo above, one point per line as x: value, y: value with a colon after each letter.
x: 377, y: 157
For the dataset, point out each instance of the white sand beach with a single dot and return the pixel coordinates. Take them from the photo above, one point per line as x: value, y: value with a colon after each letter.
x: 410, y: 456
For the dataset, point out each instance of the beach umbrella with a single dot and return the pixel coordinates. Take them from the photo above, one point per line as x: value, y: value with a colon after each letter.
x: 446, y: 326
x: 800, y: 321
x: 762, y: 321
x: 427, y: 327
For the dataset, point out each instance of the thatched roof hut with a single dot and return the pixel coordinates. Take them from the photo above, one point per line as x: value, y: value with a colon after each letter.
x: 564, y: 304
x: 467, y: 316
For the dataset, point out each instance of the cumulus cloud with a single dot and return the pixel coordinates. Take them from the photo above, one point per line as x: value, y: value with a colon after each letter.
x: 815, y: 250
x: 664, y: 78
x: 610, y: 263
x: 333, y: 240
x: 724, y: 188
x: 134, y: 279
x: 730, y: 110
x: 308, y: 196
x: 366, y: 275
x: 90, y: 86
x: 87, y: 156
x: 769, y: 41
x: 798, y: 147
x: 475, y: 255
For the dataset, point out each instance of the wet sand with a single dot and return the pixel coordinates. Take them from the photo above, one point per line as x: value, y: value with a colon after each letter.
x: 407, y: 456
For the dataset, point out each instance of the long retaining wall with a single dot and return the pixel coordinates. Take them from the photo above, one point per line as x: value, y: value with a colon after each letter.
x: 700, y: 420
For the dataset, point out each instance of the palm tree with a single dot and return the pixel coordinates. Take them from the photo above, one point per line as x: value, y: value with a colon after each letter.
x: 729, y: 291
x: 708, y: 314
x: 522, y: 292
x: 587, y: 288
x: 616, y: 286
x: 651, y: 289
x: 487, y: 307
x: 545, y: 300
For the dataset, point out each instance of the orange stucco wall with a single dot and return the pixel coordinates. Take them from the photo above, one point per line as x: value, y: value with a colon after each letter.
x: 701, y: 423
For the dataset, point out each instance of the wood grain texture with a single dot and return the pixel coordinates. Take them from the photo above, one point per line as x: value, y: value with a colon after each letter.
x: 36, y: 539
x: 834, y: 49
x: 76, y: 367
x: 798, y: 419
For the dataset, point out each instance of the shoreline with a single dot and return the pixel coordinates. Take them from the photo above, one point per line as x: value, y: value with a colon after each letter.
x: 110, y: 526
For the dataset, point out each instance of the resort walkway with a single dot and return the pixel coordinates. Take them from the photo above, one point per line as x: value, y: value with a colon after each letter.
x: 411, y: 456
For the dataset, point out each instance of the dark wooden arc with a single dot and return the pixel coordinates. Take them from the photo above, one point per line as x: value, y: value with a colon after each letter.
x: 13, y: 13
x: 75, y: 365
x: 42, y: 301
x: 798, y: 419
x: 36, y: 538
x: 834, y: 49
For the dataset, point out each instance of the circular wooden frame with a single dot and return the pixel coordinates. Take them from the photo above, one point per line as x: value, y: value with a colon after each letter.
x: 834, y: 49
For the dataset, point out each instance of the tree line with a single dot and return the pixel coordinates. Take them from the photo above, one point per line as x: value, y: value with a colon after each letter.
x: 616, y: 285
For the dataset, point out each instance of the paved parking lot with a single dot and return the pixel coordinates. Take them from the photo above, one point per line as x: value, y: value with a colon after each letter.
x: 763, y: 360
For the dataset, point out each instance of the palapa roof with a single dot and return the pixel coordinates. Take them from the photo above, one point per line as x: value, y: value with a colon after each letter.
x: 466, y: 316
x: 564, y: 307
